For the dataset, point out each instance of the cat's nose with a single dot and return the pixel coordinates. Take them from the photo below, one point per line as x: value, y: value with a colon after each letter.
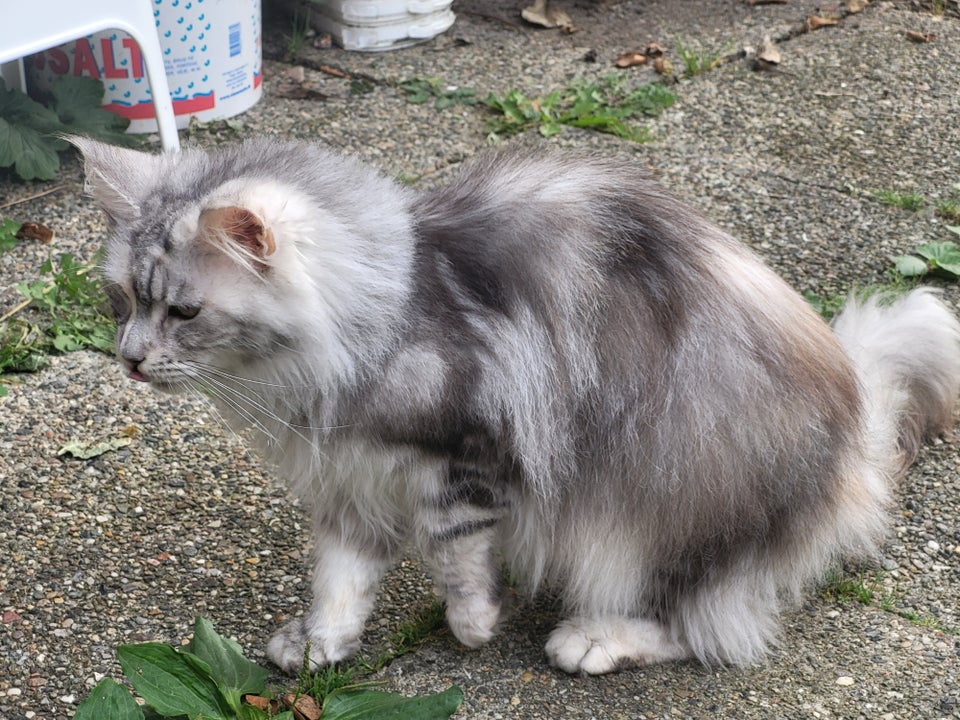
x: 131, y: 359
x: 133, y: 369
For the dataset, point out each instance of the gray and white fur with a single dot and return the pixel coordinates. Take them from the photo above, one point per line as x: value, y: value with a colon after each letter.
x: 550, y: 363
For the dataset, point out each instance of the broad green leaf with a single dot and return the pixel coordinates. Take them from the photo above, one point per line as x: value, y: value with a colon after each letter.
x: 109, y: 701
x: 27, y: 139
x: 938, y: 250
x: 20, y: 109
x: 78, y: 101
x: 174, y: 683
x: 954, y: 229
x: 910, y: 265
x: 353, y: 704
x: 8, y: 233
x: 950, y: 269
x: 67, y: 342
x: 942, y: 255
x: 550, y: 129
x: 249, y: 712
x: 228, y: 666
x: 27, y: 151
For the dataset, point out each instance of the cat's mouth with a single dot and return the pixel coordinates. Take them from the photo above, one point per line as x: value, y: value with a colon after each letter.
x: 138, y: 376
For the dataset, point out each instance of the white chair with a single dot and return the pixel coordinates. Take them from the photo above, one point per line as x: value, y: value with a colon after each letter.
x: 29, y: 26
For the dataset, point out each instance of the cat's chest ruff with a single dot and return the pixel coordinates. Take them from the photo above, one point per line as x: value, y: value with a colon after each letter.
x: 369, y: 475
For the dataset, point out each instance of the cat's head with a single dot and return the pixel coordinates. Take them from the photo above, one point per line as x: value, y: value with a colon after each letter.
x: 219, y: 263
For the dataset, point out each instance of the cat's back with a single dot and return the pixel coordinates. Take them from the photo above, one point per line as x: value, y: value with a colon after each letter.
x: 540, y: 226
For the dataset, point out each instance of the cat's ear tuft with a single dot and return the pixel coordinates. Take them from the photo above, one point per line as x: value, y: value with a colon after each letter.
x: 118, y: 179
x: 242, y: 230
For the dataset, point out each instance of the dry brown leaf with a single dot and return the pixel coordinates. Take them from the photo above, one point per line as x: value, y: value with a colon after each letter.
x: 663, y: 66
x: 269, y: 706
x: 323, y: 41
x: 630, y: 59
x: 35, y: 231
x: 291, y: 84
x: 304, y: 707
x: 917, y: 37
x: 336, y: 72
x: 815, y: 22
x: 654, y: 50
x: 767, y: 52
x: 855, y: 6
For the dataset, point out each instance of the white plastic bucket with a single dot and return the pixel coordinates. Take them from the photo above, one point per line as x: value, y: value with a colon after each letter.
x: 212, y: 55
x: 378, y: 25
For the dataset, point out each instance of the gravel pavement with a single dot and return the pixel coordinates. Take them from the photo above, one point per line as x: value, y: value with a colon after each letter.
x: 130, y: 546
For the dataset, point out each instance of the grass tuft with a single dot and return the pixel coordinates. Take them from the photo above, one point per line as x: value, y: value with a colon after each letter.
x: 605, y: 106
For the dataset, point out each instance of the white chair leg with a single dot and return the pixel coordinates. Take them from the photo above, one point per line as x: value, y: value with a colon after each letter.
x: 160, y: 91
x: 142, y: 28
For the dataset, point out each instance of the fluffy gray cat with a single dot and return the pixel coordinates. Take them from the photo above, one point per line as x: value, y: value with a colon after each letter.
x: 550, y: 363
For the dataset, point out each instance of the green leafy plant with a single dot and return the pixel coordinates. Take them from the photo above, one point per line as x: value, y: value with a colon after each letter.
x: 830, y: 304
x: 30, y: 132
x: 604, y: 106
x: 420, y: 90
x: 70, y: 295
x: 827, y: 306
x: 949, y: 210
x: 904, y: 200
x: 66, y: 303
x: 940, y: 259
x: 359, y: 86
x: 8, y: 233
x: 299, y: 31
x: 210, y: 679
x: 23, y: 348
x: 862, y: 587
x: 408, y: 636
x: 948, y: 207
x: 697, y: 59
x: 868, y: 588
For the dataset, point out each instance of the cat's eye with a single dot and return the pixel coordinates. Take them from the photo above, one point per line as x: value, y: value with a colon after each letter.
x: 119, y: 304
x: 183, y: 312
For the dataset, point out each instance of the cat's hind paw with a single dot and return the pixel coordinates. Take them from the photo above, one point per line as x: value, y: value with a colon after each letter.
x: 595, y: 647
x: 288, y: 647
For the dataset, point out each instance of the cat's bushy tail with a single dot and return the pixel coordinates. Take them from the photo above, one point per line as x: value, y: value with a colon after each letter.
x: 906, y: 351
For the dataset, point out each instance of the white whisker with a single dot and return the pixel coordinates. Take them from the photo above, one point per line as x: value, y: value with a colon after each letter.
x: 255, y: 399
x: 222, y: 421
x: 242, y: 404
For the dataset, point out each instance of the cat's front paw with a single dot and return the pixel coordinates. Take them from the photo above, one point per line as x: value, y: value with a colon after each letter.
x: 288, y: 646
x: 595, y: 647
x: 575, y: 649
x: 473, y: 620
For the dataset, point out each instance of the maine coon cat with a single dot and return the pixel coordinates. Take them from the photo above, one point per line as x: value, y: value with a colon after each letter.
x: 550, y: 363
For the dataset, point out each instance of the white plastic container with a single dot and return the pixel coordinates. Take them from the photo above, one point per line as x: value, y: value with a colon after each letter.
x: 212, y: 54
x: 377, y: 25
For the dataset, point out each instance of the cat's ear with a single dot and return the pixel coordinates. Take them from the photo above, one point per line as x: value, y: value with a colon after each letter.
x: 240, y: 232
x: 117, y: 178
